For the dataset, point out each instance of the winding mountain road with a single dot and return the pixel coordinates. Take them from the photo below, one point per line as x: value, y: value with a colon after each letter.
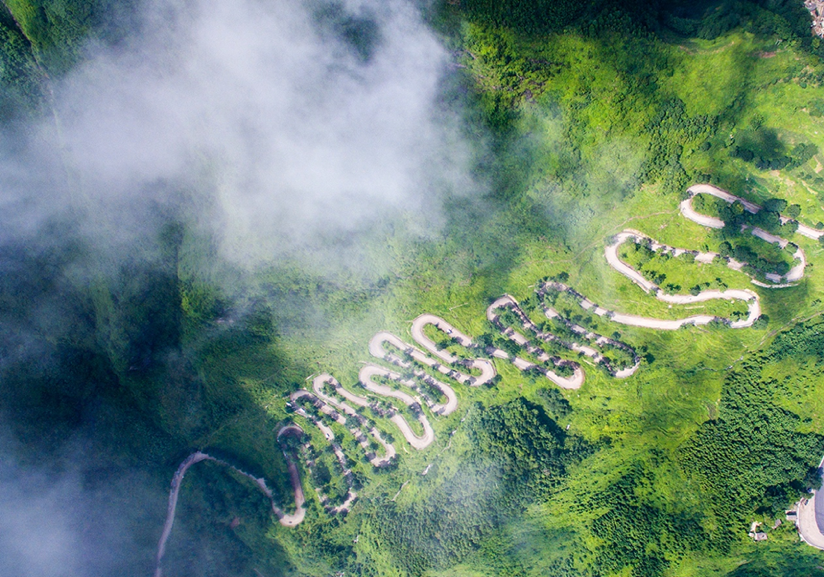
x: 333, y: 408
x: 752, y: 208
x: 506, y: 301
x: 392, y: 349
x: 197, y: 457
x: 366, y: 376
x: 600, y: 340
x: 611, y: 254
x: 486, y: 368
x: 329, y: 435
x: 795, y: 274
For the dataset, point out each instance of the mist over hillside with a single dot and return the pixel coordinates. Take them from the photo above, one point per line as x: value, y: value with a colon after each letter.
x: 265, y: 130
x: 208, y: 205
x: 269, y: 125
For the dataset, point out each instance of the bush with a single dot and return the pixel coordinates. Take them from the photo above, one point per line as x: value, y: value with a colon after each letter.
x: 775, y: 205
x: 793, y: 211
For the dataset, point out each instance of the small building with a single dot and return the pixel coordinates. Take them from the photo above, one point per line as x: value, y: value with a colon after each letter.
x: 758, y: 536
x: 792, y: 516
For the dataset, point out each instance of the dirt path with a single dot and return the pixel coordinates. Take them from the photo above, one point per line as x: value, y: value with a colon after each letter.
x: 390, y: 348
x: 172, y: 508
x: 751, y: 207
x: 198, y: 456
x: 611, y: 254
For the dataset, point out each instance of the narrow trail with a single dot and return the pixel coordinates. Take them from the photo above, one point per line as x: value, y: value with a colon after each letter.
x: 795, y: 274
x: 287, y: 520
x: 411, y: 383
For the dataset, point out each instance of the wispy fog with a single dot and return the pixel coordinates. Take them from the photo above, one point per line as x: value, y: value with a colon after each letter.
x: 56, y: 521
x: 272, y: 127
x: 277, y: 122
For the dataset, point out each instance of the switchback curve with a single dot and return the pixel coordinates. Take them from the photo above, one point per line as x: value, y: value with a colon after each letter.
x: 450, y: 365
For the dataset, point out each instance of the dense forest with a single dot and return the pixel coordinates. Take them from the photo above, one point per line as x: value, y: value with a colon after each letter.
x: 519, y: 456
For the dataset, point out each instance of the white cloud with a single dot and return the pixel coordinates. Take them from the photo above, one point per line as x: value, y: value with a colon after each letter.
x: 276, y: 128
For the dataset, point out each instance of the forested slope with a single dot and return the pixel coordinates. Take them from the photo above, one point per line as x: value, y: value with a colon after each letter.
x: 588, y: 117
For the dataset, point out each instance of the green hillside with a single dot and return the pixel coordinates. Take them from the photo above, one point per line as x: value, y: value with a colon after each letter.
x: 586, y: 119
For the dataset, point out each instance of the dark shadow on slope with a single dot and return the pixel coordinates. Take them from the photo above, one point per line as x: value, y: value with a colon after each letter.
x: 99, y: 385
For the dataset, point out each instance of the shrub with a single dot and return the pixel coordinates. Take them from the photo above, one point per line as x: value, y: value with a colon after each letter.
x: 761, y: 322
x: 775, y: 205
x: 793, y: 211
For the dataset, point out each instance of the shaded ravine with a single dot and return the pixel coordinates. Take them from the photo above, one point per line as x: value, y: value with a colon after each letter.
x: 329, y: 398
